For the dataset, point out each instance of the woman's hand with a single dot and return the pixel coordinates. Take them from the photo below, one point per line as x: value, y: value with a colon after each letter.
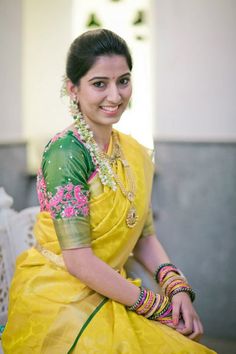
x: 185, y: 318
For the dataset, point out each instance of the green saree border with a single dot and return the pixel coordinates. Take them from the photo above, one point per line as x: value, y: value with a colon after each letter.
x: 86, y: 324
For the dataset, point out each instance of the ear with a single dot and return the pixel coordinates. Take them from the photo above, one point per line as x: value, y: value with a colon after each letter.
x: 72, y: 89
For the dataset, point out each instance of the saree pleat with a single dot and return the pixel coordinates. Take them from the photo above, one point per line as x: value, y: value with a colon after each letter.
x: 52, y: 312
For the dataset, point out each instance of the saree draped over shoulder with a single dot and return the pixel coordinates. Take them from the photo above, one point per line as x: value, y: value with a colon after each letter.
x: 53, y: 312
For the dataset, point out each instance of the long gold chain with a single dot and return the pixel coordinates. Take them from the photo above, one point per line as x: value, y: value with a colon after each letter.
x: 117, y: 154
x: 129, y: 193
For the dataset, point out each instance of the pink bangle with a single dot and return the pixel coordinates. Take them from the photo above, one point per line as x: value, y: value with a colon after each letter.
x: 168, y: 311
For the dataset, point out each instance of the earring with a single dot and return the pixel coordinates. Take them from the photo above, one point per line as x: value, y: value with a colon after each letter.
x: 74, y: 108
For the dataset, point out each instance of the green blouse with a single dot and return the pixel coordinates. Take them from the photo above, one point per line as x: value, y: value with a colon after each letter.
x: 63, y: 189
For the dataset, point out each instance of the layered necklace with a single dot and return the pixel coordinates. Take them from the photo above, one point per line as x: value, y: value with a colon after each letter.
x: 104, y: 164
x: 129, y: 193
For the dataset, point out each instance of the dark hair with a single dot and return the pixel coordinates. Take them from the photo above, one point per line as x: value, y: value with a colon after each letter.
x: 86, y: 48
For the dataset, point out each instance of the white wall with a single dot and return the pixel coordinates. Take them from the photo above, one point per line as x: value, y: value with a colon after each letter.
x: 10, y: 71
x: 195, y: 72
x: 47, y: 35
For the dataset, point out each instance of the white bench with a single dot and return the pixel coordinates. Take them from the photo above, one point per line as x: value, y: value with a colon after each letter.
x: 15, y: 236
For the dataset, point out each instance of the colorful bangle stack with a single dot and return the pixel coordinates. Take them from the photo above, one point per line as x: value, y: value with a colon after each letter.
x: 172, y: 281
x: 142, y: 296
x: 153, y: 306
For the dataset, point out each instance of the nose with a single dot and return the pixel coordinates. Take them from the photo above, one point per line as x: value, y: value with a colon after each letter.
x: 113, y: 95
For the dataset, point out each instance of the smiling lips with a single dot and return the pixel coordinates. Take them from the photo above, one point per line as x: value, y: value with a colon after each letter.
x: 110, y: 109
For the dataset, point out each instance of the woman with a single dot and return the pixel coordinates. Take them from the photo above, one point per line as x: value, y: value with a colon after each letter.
x: 70, y: 293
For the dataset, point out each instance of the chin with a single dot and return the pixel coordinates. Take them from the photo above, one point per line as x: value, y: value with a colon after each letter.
x: 115, y: 120
x: 111, y: 120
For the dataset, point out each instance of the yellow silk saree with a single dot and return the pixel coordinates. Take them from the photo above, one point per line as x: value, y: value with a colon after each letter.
x: 52, y: 312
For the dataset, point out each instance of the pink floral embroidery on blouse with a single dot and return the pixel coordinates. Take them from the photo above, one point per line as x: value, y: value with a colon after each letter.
x: 42, y: 191
x: 68, y: 201
x: 59, y: 135
x: 76, y: 134
x: 56, y: 137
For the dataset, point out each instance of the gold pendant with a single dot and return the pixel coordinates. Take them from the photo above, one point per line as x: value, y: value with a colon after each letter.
x: 131, y: 218
x: 130, y: 196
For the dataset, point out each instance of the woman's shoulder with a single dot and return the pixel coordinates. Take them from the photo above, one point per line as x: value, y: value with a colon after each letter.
x: 67, y: 149
x: 64, y: 141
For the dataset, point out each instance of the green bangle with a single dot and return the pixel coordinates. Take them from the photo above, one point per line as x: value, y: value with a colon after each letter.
x: 155, y: 275
x: 187, y: 290
x: 137, y: 303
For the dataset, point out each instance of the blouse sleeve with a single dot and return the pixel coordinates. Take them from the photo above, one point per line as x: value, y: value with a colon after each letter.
x: 149, y: 228
x: 66, y: 167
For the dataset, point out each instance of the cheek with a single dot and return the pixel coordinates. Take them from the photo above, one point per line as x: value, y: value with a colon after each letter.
x: 87, y: 95
x: 129, y: 90
x: 95, y: 98
x: 129, y: 93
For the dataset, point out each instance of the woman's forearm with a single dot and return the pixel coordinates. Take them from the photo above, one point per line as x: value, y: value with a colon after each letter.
x: 150, y: 253
x: 99, y: 276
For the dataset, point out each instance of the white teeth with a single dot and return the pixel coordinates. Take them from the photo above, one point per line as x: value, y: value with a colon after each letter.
x: 109, y: 109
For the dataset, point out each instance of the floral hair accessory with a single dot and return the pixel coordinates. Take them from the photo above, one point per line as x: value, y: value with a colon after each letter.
x: 63, y: 91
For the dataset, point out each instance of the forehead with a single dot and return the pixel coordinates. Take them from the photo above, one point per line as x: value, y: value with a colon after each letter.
x: 109, y: 66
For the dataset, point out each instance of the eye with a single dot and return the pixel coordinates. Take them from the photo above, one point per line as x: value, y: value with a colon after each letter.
x: 125, y: 81
x: 99, y: 84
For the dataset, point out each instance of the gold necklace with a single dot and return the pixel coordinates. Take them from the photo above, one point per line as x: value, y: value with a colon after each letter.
x: 117, y: 154
x: 105, y: 162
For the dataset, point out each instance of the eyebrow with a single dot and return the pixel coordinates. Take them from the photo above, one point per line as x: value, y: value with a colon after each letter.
x: 106, y: 78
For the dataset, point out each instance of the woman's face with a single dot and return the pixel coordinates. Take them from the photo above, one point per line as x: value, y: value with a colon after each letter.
x: 104, y: 91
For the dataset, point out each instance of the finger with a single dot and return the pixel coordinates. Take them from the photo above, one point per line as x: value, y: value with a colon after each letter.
x: 170, y: 324
x: 196, y: 335
x: 188, y: 324
x: 201, y: 327
x: 197, y: 330
x: 175, y: 313
x: 186, y: 331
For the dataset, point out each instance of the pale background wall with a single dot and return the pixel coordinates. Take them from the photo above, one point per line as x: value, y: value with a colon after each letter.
x: 11, y: 70
x: 195, y: 69
x: 47, y: 35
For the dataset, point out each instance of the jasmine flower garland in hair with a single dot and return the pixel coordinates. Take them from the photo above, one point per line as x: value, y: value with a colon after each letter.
x: 63, y: 91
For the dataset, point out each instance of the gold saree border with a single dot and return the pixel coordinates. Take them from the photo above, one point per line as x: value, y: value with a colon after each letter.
x: 73, y: 232
x: 104, y: 301
x: 51, y: 256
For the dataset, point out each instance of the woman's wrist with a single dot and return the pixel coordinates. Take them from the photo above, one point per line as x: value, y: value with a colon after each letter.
x: 172, y: 281
x: 153, y: 306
